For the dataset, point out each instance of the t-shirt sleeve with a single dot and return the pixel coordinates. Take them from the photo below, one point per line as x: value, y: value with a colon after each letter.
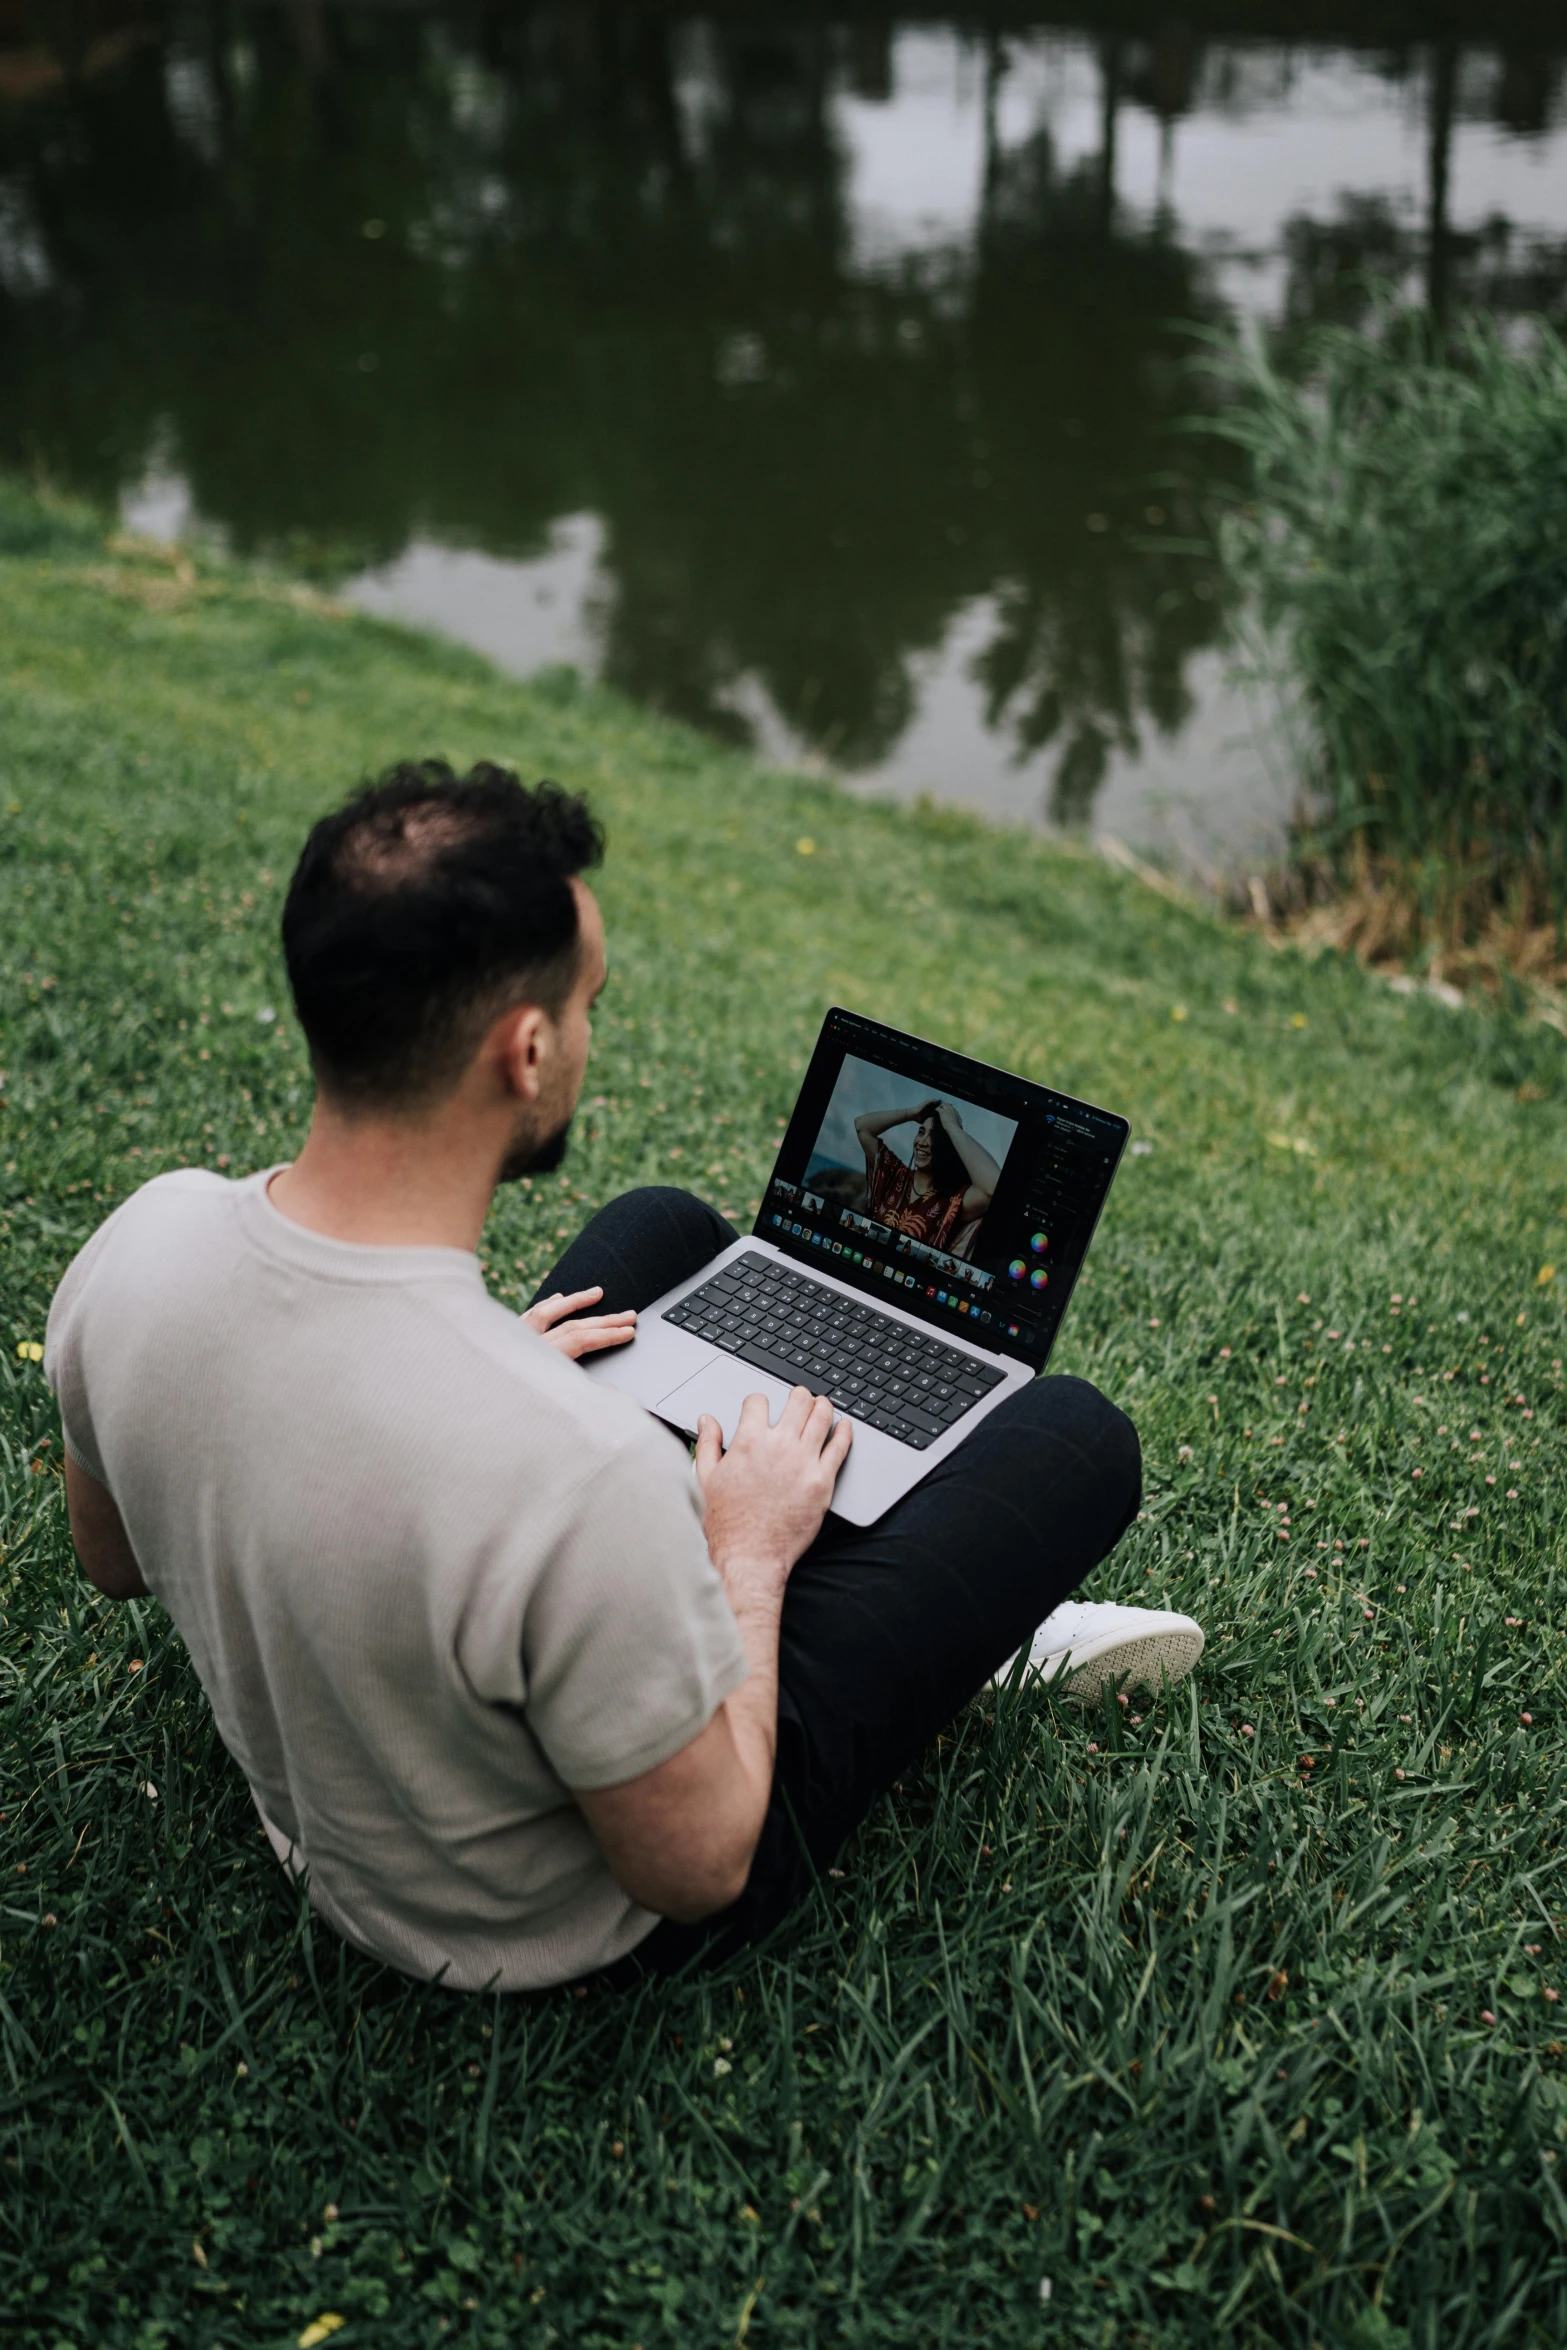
x: 628, y: 1644
x: 63, y: 1355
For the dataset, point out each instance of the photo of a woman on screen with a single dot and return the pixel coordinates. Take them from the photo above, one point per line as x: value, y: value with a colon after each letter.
x: 940, y: 1193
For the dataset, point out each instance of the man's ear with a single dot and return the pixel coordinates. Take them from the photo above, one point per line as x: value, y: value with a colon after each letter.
x: 518, y: 1045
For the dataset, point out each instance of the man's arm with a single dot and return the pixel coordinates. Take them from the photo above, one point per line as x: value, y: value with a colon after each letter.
x: 98, y: 1531
x: 680, y: 1838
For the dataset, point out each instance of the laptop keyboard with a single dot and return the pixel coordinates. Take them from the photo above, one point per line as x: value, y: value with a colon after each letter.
x: 880, y: 1372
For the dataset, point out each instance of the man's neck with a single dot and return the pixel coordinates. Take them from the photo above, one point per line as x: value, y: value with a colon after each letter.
x: 388, y: 1183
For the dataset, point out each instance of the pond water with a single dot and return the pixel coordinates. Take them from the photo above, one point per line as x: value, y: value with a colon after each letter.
x: 821, y: 379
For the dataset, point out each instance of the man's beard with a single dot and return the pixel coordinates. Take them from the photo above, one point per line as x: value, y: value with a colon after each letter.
x: 536, y: 1158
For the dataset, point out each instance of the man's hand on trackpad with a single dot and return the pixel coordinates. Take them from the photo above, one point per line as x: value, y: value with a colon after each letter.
x: 680, y: 1839
x: 768, y: 1494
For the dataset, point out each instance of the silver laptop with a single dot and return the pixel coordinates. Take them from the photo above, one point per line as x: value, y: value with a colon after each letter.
x: 913, y: 1257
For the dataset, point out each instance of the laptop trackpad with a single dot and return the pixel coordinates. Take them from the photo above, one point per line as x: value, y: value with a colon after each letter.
x: 721, y: 1389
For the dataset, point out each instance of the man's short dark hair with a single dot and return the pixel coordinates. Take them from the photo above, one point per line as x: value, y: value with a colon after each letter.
x: 421, y: 911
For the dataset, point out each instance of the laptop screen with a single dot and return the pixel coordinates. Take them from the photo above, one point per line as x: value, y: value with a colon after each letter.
x: 964, y: 1195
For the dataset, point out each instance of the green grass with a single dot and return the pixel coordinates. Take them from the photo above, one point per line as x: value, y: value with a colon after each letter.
x: 1143, y: 2007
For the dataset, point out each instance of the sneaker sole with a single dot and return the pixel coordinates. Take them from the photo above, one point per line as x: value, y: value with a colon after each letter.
x: 1154, y: 1661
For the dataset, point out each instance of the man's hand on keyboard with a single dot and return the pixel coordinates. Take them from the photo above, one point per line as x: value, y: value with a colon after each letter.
x: 768, y: 1494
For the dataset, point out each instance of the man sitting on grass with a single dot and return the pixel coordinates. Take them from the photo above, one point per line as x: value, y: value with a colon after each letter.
x: 524, y: 1690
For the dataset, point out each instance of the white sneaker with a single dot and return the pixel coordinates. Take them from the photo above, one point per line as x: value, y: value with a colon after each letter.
x: 1121, y: 1645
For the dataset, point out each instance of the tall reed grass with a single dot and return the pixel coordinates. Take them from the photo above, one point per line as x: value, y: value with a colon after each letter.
x: 1401, y: 545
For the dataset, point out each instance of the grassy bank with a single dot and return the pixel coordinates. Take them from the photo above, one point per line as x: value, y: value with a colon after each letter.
x: 1231, y: 2021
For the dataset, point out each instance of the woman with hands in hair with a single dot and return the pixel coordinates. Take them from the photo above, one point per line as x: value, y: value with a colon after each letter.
x: 940, y: 1193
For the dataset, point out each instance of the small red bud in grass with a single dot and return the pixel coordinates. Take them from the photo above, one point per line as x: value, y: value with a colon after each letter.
x: 1486, y: 2017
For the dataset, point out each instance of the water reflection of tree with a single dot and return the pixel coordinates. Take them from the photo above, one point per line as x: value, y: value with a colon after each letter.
x: 804, y: 467
x: 606, y: 284
x: 1335, y: 266
x: 897, y: 442
x: 1095, y: 625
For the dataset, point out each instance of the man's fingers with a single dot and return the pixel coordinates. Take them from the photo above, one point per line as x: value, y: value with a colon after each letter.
x: 588, y: 1338
x: 818, y: 1421
x: 709, y: 1446
x: 754, y: 1415
x: 797, y: 1410
x: 836, y: 1450
x: 552, y: 1309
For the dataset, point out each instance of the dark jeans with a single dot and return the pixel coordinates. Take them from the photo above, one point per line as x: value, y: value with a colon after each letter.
x: 888, y: 1630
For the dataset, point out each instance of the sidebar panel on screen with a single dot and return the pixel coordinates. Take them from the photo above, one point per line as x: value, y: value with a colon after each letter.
x: 1070, y: 1169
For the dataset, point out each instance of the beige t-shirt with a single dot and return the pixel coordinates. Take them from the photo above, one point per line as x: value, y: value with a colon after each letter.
x: 431, y: 1575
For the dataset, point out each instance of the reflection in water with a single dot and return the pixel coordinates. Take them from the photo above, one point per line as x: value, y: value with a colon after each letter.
x: 525, y: 614
x: 818, y: 383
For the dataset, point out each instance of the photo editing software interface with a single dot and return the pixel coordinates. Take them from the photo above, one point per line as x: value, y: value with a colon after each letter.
x: 964, y: 1194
